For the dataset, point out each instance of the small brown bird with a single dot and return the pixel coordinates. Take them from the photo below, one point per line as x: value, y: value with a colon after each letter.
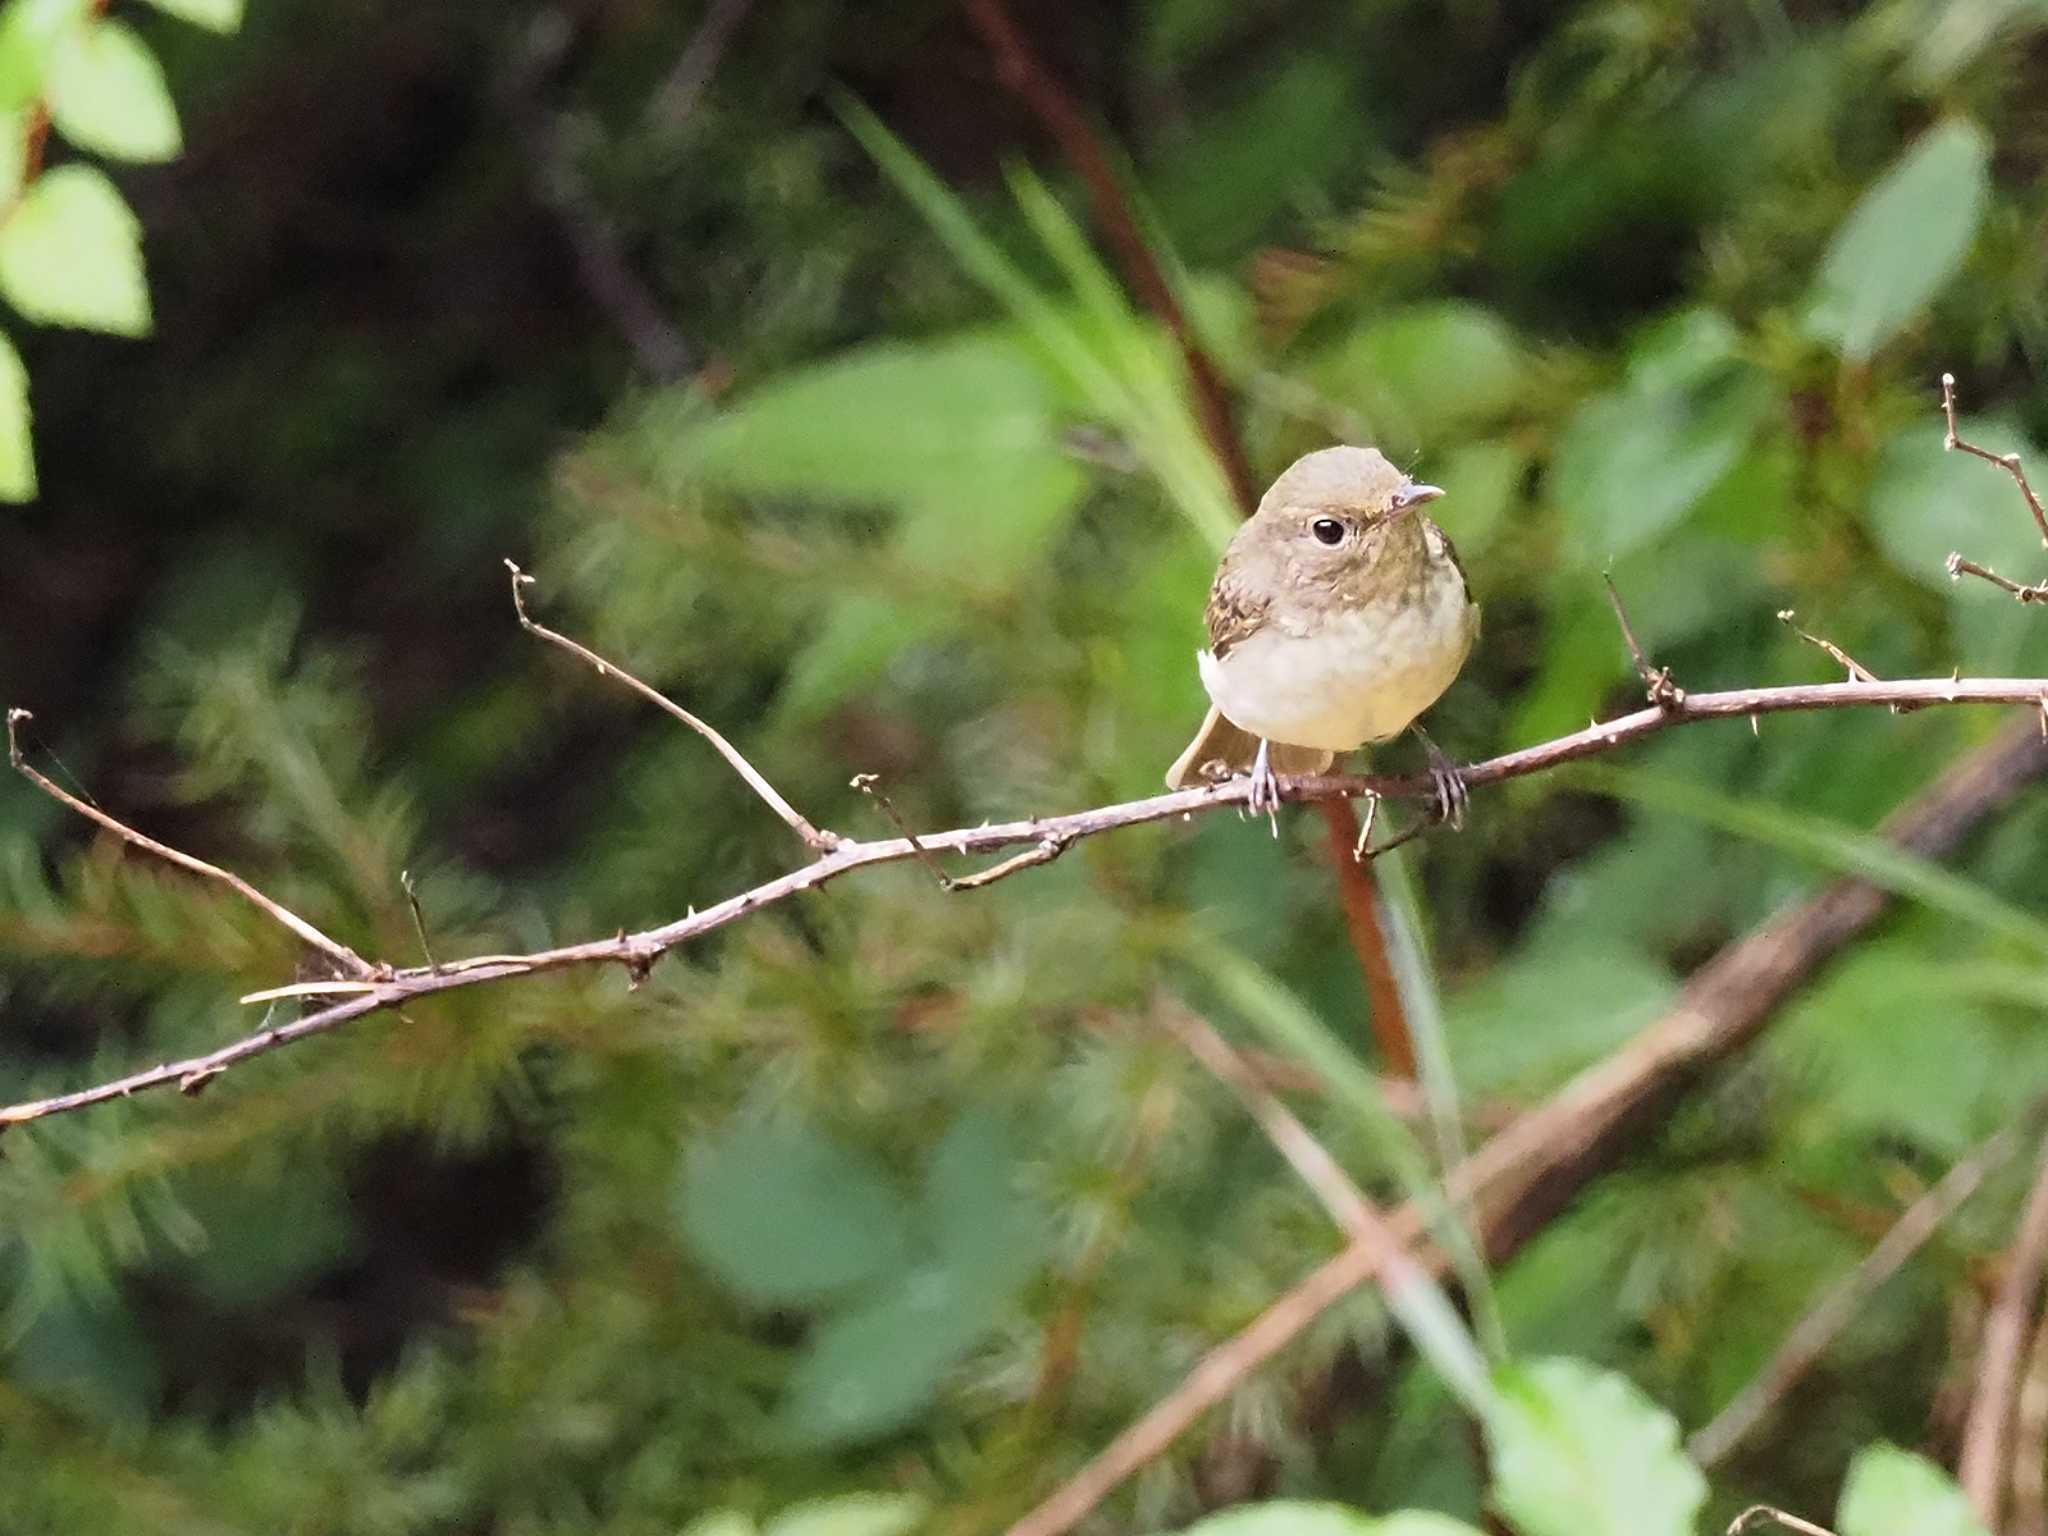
x: 1339, y: 613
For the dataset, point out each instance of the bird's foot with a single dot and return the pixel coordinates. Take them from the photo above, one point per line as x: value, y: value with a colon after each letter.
x: 1264, y: 799
x: 1451, y: 794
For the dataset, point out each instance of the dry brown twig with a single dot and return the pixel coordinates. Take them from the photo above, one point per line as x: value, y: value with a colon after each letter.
x: 822, y: 842
x: 349, y: 962
x: 1657, y: 683
x: 1530, y: 1170
x: 1983, y: 1467
x: 376, y: 988
x: 1817, y: 1329
x: 1958, y: 567
x: 1756, y: 1514
x: 2029, y: 1515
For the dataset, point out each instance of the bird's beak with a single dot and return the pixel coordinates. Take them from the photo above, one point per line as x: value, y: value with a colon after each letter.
x: 1414, y: 495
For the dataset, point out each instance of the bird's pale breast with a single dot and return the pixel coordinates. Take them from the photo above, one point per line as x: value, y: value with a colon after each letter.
x: 1363, y: 674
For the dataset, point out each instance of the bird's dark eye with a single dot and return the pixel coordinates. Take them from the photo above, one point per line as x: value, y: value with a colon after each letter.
x: 1327, y: 530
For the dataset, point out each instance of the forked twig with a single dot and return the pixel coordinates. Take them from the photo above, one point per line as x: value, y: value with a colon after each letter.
x: 819, y: 841
x: 1958, y: 567
x: 1044, y: 851
x: 1657, y: 683
x: 1817, y: 1329
x: 395, y: 987
x: 2009, y: 462
x: 350, y: 962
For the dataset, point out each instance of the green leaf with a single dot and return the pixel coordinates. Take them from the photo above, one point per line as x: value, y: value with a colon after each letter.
x: 971, y: 1211
x: 853, y: 1514
x: 1578, y: 1451
x: 1482, y: 483
x: 1844, y: 849
x: 1925, y: 503
x: 1631, y: 464
x: 1903, y: 241
x: 1425, y: 370
x: 887, y: 423
x: 1890, y: 1492
x: 1971, y: 1067
x: 721, y: 1522
x: 214, y: 15
x: 1557, y: 1005
x: 1307, y: 1517
x: 1292, y: 1517
x: 107, y: 94
x: 877, y: 1365
x: 71, y: 254
x: 17, y: 453
x: 785, y: 1215
x: 30, y: 31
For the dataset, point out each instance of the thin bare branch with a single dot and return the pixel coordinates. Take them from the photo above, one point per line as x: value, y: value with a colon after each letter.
x: 350, y: 962
x: 638, y: 951
x: 1818, y: 1328
x: 1657, y: 683
x: 1985, y: 1459
x: 677, y: 98
x: 1531, y: 1169
x: 1958, y: 568
x: 2029, y: 1515
x: 821, y: 842
x: 2009, y: 462
x: 1756, y: 1514
x: 419, y: 919
x: 554, y: 163
x: 1858, y: 673
x: 1346, y: 1203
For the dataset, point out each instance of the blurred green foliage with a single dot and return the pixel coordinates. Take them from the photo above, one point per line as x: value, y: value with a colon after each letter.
x: 888, y: 1207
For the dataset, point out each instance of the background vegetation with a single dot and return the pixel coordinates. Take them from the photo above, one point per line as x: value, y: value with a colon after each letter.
x: 795, y: 380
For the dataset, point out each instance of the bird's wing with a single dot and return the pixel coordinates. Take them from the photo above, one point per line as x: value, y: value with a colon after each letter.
x: 1236, y: 612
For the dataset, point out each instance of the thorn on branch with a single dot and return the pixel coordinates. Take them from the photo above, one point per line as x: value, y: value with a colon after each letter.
x: 817, y: 840
x: 2009, y: 462
x: 192, y: 1084
x: 1657, y: 683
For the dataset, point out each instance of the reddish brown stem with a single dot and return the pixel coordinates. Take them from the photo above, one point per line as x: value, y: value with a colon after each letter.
x: 1023, y: 73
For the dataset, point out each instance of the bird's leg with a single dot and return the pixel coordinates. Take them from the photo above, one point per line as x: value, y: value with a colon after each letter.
x: 1372, y: 814
x: 1265, y: 792
x: 1451, y: 793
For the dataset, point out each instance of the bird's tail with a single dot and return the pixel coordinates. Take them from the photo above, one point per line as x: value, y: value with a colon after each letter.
x: 1221, y: 750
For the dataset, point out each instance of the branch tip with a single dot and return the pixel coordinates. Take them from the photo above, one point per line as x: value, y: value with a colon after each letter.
x: 816, y: 839
x: 2009, y: 462
x: 1657, y: 681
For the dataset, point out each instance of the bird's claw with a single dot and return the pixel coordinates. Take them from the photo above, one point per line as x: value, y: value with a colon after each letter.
x: 1449, y: 783
x: 1264, y: 796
